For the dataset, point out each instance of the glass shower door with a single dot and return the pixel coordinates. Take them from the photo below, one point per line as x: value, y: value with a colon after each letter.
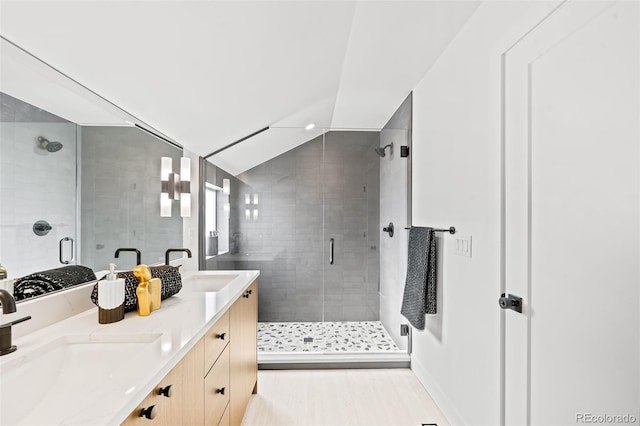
x: 351, y: 217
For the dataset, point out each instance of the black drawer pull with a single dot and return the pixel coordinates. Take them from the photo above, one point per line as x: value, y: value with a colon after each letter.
x: 220, y: 391
x: 149, y: 412
x: 165, y: 391
x: 221, y: 336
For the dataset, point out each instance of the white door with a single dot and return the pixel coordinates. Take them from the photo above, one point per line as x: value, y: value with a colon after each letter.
x: 572, y: 218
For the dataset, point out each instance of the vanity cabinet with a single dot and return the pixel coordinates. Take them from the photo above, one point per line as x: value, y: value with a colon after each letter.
x: 243, y: 326
x: 225, y: 418
x: 182, y: 402
x: 216, y: 370
x: 212, y: 384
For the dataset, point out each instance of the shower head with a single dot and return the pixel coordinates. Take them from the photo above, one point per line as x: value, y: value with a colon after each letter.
x: 48, y: 145
x: 381, y: 151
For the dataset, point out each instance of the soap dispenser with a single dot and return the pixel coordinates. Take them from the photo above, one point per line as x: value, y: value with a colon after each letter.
x: 111, y: 297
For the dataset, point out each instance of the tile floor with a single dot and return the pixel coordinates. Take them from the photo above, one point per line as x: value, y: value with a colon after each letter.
x: 334, y: 337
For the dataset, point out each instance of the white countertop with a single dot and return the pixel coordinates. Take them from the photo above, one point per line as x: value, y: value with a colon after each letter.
x: 120, y: 376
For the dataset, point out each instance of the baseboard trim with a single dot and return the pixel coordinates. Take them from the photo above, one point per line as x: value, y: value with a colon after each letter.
x: 431, y: 386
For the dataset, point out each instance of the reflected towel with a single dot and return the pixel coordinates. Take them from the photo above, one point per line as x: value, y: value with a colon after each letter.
x: 420, y: 287
x: 45, y: 282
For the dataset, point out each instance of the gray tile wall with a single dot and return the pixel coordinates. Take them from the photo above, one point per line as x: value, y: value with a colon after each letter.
x: 120, y: 197
x: 289, y: 242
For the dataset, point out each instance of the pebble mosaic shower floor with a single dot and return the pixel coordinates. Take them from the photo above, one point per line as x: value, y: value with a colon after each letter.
x: 348, y: 336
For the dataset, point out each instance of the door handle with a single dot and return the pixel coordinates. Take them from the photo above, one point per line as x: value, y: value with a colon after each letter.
x: 510, y: 302
x: 65, y: 262
x: 331, y: 251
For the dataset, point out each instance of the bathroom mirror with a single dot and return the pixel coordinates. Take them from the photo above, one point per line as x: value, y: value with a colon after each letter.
x: 224, y: 203
x: 77, y: 178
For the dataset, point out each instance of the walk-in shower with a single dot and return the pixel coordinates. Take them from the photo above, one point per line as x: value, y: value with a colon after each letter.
x: 309, y: 220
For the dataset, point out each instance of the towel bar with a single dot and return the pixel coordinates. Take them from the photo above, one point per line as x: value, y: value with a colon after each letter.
x: 451, y: 230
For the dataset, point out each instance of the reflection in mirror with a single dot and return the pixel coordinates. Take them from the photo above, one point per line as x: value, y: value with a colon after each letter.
x: 216, y: 227
x: 118, y: 174
x: 71, y: 193
x: 120, y: 197
x: 36, y: 184
x: 224, y: 203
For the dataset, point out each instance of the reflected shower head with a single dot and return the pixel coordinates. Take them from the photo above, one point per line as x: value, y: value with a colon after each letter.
x: 381, y: 151
x: 48, y: 145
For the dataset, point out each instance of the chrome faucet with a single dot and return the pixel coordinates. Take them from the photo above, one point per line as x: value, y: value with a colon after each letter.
x: 8, y: 307
x: 166, y: 253
x: 137, y: 252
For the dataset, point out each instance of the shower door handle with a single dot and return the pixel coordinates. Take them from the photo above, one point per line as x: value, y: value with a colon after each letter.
x: 65, y: 262
x: 331, y: 251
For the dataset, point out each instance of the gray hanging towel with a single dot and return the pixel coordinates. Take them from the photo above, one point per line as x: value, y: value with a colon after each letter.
x: 420, y: 287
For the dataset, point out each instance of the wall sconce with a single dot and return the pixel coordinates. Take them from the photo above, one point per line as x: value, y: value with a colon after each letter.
x: 175, y: 186
x: 226, y: 186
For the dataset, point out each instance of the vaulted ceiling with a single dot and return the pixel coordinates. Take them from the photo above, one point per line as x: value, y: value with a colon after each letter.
x: 207, y: 73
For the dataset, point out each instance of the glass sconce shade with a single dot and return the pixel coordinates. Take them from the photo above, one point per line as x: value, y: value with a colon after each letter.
x: 174, y: 188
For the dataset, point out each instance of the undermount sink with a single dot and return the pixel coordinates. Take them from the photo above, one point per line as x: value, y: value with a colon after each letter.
x: 60, y: 365
x: 210, y: 282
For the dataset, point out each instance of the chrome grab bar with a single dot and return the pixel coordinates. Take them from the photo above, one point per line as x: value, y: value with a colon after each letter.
x: 65, y: 262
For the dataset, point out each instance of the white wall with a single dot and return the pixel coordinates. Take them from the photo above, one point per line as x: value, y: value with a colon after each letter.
x: 456, y: 182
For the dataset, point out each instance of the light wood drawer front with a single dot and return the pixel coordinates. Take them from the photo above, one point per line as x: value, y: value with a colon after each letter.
x: 216, y: 389
x: 182, y: 403
x: 161, y: 411
x: 215, y: 341
x: 224, y: 421
x: 152, y: 399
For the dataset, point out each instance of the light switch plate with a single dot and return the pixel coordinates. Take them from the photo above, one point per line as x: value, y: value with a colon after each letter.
x: 462, y: 245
